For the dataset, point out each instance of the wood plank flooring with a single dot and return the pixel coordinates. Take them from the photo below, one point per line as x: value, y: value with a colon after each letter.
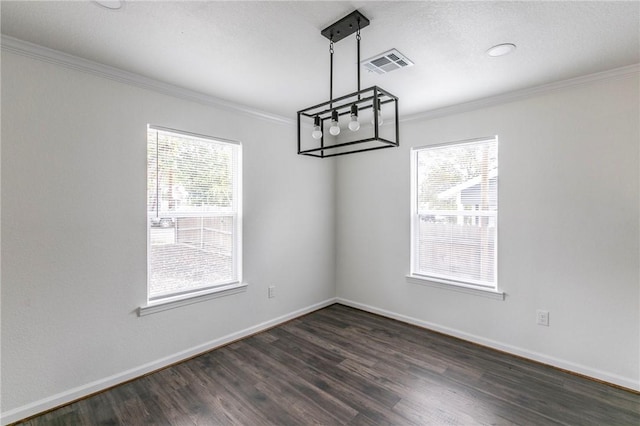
x: 342, y: 366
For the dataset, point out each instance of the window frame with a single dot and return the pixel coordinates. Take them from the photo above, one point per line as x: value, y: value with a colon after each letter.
x: 417, y: 277
x: 236, y: 285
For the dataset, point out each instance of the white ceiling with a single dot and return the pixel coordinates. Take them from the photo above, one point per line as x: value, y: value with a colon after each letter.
x: 271, y: 56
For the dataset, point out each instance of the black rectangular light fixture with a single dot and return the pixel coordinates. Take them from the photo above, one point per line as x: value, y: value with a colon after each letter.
x: 364, y: 120
x: 375, y: 108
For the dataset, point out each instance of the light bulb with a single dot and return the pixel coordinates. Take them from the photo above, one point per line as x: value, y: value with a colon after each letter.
x: 317, y: 132
x: 354, y: 124
x: 335, y: 128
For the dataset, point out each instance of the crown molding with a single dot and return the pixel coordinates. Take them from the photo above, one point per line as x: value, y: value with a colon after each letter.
x: 517, y: 95
x: 35, y: 51
x: 45, y: 54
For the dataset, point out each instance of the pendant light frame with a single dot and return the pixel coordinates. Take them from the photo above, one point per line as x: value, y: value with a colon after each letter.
x: 369, y: 102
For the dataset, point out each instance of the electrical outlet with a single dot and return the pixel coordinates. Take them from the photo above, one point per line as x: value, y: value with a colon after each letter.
x: 542, y: 317
x: 272, y: 292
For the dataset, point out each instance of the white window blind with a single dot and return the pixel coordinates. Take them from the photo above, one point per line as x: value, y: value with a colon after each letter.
x: 193, y: 207
x: 455, y: 213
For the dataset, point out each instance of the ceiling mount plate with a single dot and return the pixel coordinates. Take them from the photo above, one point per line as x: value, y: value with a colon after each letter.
x: 345, y: 26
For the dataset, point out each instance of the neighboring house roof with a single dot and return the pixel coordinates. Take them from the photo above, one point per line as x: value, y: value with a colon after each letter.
x: 472, y: 196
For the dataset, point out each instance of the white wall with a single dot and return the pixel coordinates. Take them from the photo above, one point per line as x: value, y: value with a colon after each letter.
x: 74, y: 239
x: 568, y: 230
x: 74, y: 235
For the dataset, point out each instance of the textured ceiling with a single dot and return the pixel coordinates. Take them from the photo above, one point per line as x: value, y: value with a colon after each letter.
x: 271, y: 56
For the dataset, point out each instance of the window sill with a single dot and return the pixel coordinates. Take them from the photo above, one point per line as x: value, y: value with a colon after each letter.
x: 171, y: 303
x: 450, y: 285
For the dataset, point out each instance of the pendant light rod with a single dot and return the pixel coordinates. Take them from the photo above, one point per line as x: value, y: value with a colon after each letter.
x: 358, y: 49
x: 331, y: 74
x: 335, y: 32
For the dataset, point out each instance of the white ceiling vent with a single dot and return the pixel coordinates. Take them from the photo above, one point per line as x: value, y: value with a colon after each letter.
x: 388, y: 61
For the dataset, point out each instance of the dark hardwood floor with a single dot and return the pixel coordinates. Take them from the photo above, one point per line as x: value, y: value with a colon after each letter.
x: 342, y: 366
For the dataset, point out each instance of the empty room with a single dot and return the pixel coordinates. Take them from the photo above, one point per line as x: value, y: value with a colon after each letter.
x: 317, y: 212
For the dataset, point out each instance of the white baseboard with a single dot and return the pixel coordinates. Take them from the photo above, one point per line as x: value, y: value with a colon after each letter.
x: 79, y: 392
x: 534, y: 356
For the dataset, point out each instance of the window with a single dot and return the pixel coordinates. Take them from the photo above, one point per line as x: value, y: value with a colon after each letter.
x: 455, y: 213
x: 194, y: 214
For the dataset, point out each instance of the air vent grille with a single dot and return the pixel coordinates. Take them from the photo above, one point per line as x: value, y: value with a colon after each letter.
x: 388, y: 61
